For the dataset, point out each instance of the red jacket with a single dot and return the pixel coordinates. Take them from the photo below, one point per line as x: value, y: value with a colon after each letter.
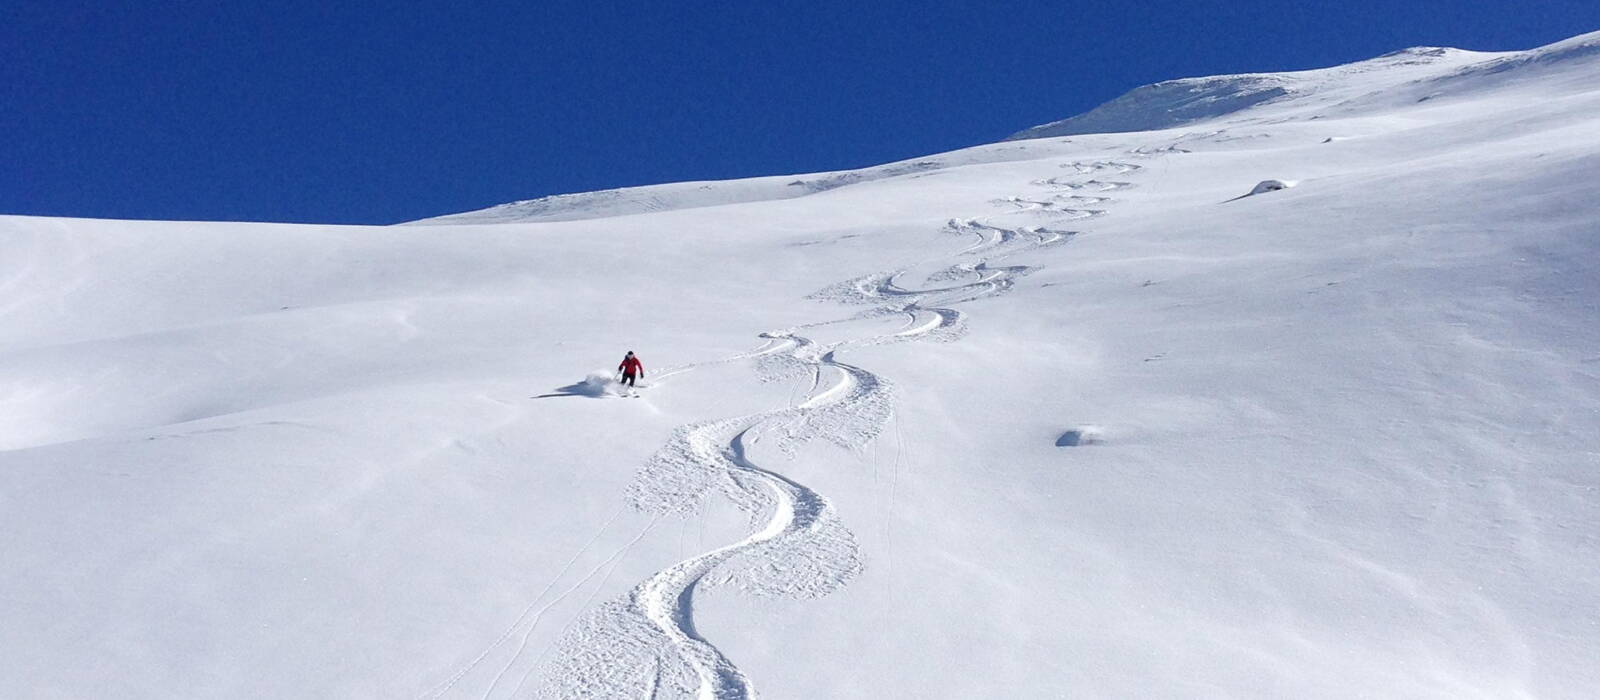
x: 631, y: 365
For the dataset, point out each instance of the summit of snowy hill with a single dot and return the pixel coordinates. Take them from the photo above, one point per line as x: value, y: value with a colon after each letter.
x: 1188, y: 101
x: 1300, y: 402
x: 1573, y: 58
x: 1192, y: 101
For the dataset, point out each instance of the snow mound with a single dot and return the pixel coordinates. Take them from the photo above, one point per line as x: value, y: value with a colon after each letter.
x: 1271, y: 186
x: 1266, y: 186
x: 1080, y: 436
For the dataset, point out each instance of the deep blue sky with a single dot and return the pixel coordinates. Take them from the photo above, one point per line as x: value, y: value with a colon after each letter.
x: 347, y: 112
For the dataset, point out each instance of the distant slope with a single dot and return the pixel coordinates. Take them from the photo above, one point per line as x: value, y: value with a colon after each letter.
x: 1189, y: 101
x: 677, y: 195
x: 1174, y: 103
x: 691, y: 195
x: 647, y: 199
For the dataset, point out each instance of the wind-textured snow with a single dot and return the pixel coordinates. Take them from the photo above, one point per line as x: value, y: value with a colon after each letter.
x: 1058, y: 417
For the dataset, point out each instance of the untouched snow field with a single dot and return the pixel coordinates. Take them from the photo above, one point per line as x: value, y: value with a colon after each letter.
x: 1057, y: 417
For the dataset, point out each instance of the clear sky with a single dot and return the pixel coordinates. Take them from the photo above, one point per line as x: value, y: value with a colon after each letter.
x: 379, y: 112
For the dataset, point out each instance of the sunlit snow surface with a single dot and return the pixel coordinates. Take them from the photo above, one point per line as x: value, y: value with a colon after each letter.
x: 1060, y: 417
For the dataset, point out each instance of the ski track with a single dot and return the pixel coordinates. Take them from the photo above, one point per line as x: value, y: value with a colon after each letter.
x: 645, y: 641
x: 450, y: 683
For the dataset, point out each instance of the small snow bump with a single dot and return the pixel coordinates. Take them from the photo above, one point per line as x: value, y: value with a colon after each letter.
x: 1266, y: 186
x: 1271, y: 186
x: 1081, y: 436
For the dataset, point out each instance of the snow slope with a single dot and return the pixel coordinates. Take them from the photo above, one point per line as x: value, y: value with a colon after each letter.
x: 1044, y: 418
x: 1174, y: 103
x: 687, y: 195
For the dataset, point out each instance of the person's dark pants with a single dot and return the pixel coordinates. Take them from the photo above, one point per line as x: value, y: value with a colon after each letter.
x: 627, y: 378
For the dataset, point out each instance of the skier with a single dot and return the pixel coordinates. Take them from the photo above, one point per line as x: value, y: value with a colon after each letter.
x: 630, y: 366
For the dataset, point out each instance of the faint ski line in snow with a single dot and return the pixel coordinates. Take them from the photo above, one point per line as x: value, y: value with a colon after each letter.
x: 456, y: 678
x: 612, y: 560
x: 894, y: 487
x: 766, y: 348
x: 877, y: 488
x: 655, y: 681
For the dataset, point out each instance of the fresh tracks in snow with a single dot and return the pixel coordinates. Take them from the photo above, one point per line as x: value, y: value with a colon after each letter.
x: 645, y: 642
